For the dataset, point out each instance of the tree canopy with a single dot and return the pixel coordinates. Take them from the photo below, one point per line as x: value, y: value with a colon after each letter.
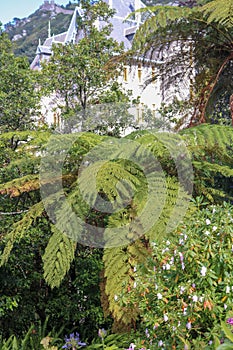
x: 19, y: 99
x: 84, y: 70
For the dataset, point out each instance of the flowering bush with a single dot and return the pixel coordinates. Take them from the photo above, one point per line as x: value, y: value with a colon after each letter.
x: 186, y: 287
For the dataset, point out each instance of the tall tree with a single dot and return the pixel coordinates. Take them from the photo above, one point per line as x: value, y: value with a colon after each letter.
x: 84, y: 69
x: 19, y: 100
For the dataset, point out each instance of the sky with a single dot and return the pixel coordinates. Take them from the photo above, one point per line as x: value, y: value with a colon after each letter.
x: 21, y: 8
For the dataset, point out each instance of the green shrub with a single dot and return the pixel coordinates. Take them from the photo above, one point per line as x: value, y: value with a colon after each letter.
x: 186, y: 287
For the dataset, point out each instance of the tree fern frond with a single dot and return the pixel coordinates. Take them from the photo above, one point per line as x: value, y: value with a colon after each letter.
x: 210, y: 135
x: 20, y: 185
x: 57, y: 258
x: 214, y: 168
x: 20, y: 228
x: 119, y: 265
x: 219, y: 11
x: 161, y: 18
x: 175, y: 206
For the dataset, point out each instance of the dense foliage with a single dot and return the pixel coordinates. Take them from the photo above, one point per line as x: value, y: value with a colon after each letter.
x: 42, y: 254
x: 184, y: 289
x: 132, y: 234
x: 19, y: 100
x: 192, y: 49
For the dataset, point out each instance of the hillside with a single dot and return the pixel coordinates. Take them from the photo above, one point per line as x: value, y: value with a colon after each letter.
x: 25, y: 33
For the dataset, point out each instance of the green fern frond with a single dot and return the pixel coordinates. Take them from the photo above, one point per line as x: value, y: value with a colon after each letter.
x: 211, y: 135
x: 161, y: 17
x: 20, y: 185
x: 20, y: 228
x: 119, y: 264
x: 214, y: 168
x: 57, y: 258
x: 219, y: 11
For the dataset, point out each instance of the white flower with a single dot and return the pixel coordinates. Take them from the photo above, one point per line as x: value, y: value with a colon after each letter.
x: 203, y: 271
x: 228, y: 289
x: 165, y: 250
x: 214, y: 228
x: 182, y: 289
x: 134, y: 269
x: 181, y: 241
x: 208, y: 222
x: 172, y: 260
x: 159, y: 296
x: 185, y: 311
x: 115, y: 297
x: 189, y: 325
x: 181, y: 256
x: 135, y: 284
x: 225, y: 306
x: 207, y: 233
x: 183, y: 266
x: 165, y: 317
x: 168, y: 242
x: 160, y: 343
x: 195, y: 298
x: 168, y: 266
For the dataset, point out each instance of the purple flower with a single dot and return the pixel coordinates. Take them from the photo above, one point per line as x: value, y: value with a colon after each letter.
x: 230, y: 321
x: 73, y: 342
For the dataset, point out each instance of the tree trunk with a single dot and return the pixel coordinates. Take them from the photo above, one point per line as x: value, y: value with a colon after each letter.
x: 231, y: 108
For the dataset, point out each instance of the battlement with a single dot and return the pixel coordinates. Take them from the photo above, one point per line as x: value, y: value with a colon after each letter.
x: 48, y: 5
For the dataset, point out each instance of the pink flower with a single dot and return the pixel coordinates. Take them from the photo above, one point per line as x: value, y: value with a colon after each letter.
x: 230, y: 321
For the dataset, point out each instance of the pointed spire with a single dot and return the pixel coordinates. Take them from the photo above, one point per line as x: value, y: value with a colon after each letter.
x: 49, y: 30
x: 137, y: 6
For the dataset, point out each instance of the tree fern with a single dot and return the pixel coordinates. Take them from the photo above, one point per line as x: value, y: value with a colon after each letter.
x: 184, y: 57
x: 138, y: 182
